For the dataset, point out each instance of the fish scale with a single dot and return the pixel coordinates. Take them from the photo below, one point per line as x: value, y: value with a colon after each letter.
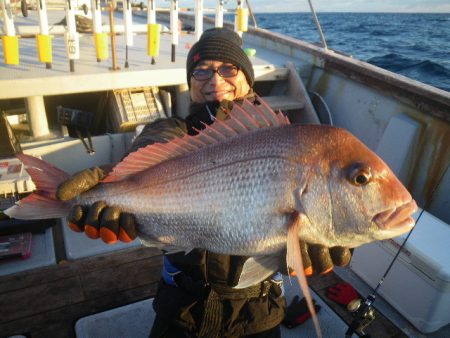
x: 231, y: 196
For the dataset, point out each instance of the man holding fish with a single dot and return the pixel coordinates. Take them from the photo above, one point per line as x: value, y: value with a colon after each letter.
x: 218, y: 73
x: 233, y: 197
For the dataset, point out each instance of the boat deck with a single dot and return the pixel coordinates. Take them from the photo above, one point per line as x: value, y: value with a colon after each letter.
x: 94, y: 297
x: 135, y: 320
x: 31, y: 78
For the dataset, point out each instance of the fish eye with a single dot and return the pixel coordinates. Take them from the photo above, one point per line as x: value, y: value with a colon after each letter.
x: 360, y: 175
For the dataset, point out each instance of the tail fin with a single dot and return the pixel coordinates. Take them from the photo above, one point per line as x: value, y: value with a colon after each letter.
x: 41, y: 204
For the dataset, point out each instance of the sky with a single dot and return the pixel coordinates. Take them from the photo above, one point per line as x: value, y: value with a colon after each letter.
x: 407, y: 6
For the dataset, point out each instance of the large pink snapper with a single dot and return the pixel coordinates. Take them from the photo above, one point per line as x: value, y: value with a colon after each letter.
x: 239, y: 187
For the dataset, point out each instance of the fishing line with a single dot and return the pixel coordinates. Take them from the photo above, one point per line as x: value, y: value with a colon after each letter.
x: 364, y: 313
x: 427, y: 205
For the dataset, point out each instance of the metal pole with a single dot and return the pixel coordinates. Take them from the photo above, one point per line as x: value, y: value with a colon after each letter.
x: 72, y: 36
x: 128, y: 16
x: 198, y: 19
x: 8, y: 24
x: 43, y: 23
x: 97, y: 24
x: 219, y: 13
x: 151, y: 18
x: 251, y: 13
x: 174, y: 26
x: 316, y: 20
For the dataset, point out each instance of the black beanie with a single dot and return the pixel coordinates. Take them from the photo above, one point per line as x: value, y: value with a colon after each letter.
x: 220, y: 44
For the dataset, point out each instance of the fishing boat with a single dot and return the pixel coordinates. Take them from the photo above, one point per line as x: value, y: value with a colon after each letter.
x: 77, y: 78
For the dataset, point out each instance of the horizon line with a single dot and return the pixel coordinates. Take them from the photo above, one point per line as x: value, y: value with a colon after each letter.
x: 357, y: 12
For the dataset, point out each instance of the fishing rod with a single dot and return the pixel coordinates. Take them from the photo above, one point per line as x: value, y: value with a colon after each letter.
x: 44, y: 40
x: 251, y: 13
x: 319, y: 27
x: 100, y: 38
x: 241, y: 19
x: 361, y: 309
x: 174, y: 27
x: 71, y: 35
x: 153, y: 31
x: 128, y: 16
x: 9, y: 39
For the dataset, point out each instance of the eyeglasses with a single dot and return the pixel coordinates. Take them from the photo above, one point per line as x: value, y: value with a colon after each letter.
x: 202, y: 74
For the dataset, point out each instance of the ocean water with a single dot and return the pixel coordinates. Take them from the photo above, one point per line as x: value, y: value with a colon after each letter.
x: 414, y: 45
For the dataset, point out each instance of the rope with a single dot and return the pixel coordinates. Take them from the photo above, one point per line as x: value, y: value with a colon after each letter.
x: 325, y: 105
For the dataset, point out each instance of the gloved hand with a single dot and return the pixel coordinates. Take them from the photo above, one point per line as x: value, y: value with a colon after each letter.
x: 342, y: 293
x: 297, y: 312
x: 97, y: 220
x: 320, y: 260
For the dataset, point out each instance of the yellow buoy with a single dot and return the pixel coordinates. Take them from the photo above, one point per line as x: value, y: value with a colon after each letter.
x: 44, y: 47
x: 242, y: 19
x: 10, y: 49
x: 101, y: 45
x: 153, y: 37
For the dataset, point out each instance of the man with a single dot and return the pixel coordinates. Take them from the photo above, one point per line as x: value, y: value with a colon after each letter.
x: 196, y: 296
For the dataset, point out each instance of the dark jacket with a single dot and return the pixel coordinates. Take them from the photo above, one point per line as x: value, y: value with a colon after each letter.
x: 203, y: 303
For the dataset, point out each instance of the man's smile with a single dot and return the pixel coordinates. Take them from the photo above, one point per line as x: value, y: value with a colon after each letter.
x: 217, y: 92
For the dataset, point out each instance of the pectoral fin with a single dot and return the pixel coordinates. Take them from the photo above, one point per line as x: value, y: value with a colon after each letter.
x: 294, y: 260
x: 154, y: 243
x: 256, y: 269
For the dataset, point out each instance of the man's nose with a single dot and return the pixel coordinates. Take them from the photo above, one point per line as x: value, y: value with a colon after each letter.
x: 216, y: 79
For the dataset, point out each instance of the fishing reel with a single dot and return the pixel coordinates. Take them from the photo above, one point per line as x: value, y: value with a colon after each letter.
x: 363, y: 314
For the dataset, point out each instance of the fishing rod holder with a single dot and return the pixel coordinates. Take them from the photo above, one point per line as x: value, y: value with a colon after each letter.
x: 78, y: 122
x: 363, y: 315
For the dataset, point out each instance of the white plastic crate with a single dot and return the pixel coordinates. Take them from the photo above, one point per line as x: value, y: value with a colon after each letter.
x: 134, y: 106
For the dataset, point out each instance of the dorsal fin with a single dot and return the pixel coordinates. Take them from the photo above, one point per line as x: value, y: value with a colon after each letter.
x: 242, y: 119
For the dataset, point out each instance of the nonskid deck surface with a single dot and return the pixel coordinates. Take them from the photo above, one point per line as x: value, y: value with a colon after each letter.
x: 135, y: 320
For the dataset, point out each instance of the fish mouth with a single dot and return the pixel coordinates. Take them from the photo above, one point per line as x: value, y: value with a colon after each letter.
x: 398, y: 219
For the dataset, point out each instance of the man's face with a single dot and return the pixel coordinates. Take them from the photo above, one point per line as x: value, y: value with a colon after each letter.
x: 218, y: 87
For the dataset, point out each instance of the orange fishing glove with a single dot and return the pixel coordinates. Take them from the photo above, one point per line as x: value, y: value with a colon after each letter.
x: 318, y: 259
x: 98, y: 220
x: 324, y: 259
